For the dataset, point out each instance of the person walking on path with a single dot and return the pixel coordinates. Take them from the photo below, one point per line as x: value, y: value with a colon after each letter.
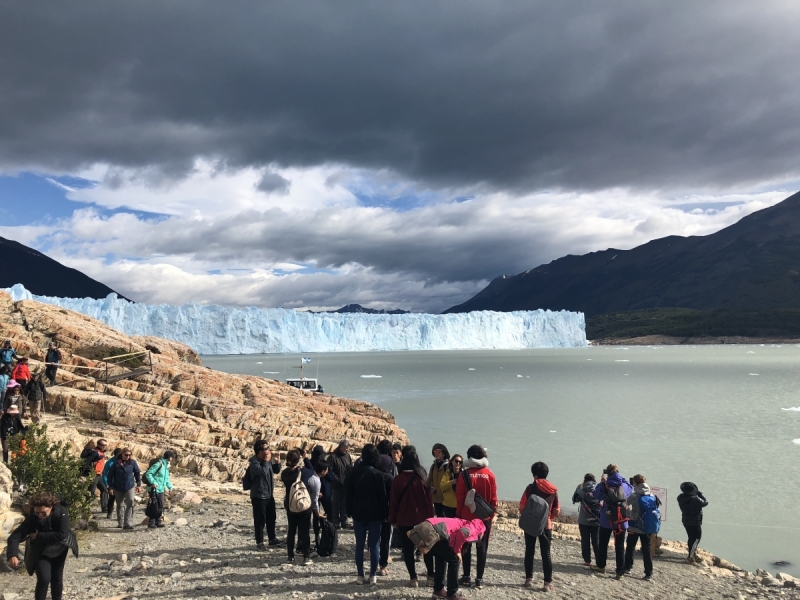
x: 104, y: 477
x: 261, y: 472
x: 158, y: 482
x: 613, y: 492
x: 47, y: 531
x: 410, y: 503
x: 22, y: 375
x: 483, y: 481
x: 13, y: 394
x: 588, y: 517
x: 692, y: 501
x: 441, y: 458
x: 5, y: 378
x: 7, y: 355
x: 37, y: 394
x: 447, y: 553
x: 52, y: 359
x: 549, y: 493
x: 340, y: 464
x: 125, y: 481
x: 636, y: 531
x: 449, y: 483
x: 10, y: 425
x: 94, y: 456
x: 299, y: 522
x: 368, y: 503
x: 387, y: 466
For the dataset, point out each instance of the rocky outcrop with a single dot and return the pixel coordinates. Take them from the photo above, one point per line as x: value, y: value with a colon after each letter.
x: 9, y: 518
x: 210, y: 418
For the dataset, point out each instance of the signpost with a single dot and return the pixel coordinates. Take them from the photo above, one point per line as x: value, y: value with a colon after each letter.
x: 661, y: 494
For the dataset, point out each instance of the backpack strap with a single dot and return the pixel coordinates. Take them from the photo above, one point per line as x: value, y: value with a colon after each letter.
x: 467, y: 480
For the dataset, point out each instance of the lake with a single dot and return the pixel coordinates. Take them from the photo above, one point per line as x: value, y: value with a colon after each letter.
x: 708, y: 414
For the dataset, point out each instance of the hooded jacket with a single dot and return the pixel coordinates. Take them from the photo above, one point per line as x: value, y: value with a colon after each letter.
x: 435, y: 474
x: 460, y: 531
x: 614, y: 480
x: 159, y: 475
x: 483, y: 482
x: 11, y: 425
x: 633, y: 500
x: 544, y: 489
x: 262, y: 478
x: 583, y: 491
x: 7, y: 354
x: 367, y: 494
x: 410, y: 500
x: 340, y: 465
x: 52, y: 534
x: 691, y: 502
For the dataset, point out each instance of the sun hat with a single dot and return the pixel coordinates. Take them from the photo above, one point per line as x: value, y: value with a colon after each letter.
x: 12, y: 384
x: 13, y: 410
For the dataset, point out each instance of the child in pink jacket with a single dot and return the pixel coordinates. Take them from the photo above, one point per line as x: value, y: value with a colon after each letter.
x: 444, y: 552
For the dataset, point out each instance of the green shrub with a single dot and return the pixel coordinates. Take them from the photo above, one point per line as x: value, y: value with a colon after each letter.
x: 41, y: 465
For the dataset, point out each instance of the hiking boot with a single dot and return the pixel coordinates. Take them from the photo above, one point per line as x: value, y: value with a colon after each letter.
x: 619, y: 576
x: 414, y: 583
x: 528, y: 582
x: 160, y: 524
x: 276, y: 542
x: 128, y: 527
x: 151, y: 525
x: 596, y: 569
x: 465, y: 580
x: 261, y: 546
x: 690, y: 561
x: 478, y: 584
x: 548, y: 586
x: 307, y: 561
x: 457, y: 596
x: 290, y: 560
x: 648, y: 577
x: 440, y: 594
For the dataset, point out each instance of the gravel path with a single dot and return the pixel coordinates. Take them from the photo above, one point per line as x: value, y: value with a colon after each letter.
x: 213, y: 556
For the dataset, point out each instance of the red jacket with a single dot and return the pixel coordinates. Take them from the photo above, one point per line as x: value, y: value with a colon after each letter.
x: 483, y: 482
x: 544, y: 489
x: 21, y: 371
x: 410, y: 501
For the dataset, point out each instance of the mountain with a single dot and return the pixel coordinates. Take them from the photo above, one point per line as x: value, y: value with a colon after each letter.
x: 357, y: 308
x: 44, y: 276
x: 752, y: 264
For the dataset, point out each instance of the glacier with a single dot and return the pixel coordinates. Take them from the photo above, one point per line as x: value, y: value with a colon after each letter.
x: 211, y: 329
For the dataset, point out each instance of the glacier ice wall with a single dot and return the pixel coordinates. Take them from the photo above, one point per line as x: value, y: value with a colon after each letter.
x: 225, y: 330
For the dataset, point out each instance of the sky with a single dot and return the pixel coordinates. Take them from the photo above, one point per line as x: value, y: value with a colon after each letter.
x: 393, y: 154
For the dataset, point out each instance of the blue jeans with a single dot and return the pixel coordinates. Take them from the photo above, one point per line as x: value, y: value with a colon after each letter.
x: 369, y: 531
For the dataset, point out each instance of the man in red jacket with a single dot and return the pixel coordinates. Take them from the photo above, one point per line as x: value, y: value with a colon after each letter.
x: 482, y: 480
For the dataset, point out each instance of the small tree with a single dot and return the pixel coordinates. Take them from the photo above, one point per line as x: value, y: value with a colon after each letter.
x: 40, y: 465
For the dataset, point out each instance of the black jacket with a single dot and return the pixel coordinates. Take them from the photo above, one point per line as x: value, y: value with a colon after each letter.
x: 367, y: 494
x: 53, y: 530
x: 11, y: 425
x: 340, y: 466
x: 261, y: 474
x: 37, y: 391
x: 692, y: 503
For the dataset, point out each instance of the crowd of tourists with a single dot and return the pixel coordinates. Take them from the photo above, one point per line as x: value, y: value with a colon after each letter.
x: 437, y: 516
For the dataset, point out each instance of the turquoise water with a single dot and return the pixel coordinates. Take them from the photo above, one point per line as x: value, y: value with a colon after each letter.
x: 707, y: 414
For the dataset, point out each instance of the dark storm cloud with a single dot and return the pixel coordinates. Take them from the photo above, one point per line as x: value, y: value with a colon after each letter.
x: 519, y: 95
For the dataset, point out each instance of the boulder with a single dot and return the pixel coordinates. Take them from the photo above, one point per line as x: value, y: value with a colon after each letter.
x: 187, y: 498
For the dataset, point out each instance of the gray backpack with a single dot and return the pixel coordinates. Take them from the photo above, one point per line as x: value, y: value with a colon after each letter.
x: 533, y: 519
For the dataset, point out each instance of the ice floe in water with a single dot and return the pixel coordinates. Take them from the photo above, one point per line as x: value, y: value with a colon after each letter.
x: 471, y: 369
x: 750, y: 352
x: 259, y: 363
x: 519, y: 375
x: 797, y: 441
x: 272, y: 372
x: 623, y: 360
x: 371, y: 376
x: 794, y: 408
x: 753, y: 374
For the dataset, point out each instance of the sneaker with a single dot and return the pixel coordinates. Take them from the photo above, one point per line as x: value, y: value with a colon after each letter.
x: 479, y: 584
x: 373, y: 581
x: 648, y: 577
x: 596, y: 569
x: 307, y: 562
x: 290, y: 560
x: 414, y: 583
x: 690, y: 561
x: 151, y: 525
x: 619, y: 576
x: 360, y: 580
x: 160, y: 524
x: 548, y: 586
x: 128, y: 527
x: 528, y: 582
x: 383, y: 571
x: 457, y: 596
x: 261, y: 546
x: 627, y: 571
x: 276, y: 542
x: 587, y: 565
x: 465, y: 580
x: 440, y: 594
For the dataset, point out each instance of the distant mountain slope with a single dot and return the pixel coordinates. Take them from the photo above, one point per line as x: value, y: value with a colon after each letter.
x: 753, y: 264
x: 357, y: 308
x: 44, y: 276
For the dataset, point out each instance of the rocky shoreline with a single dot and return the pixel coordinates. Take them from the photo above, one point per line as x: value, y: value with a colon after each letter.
x: 668, y: 340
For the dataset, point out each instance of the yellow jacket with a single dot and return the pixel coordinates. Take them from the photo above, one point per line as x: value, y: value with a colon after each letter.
x: 448, y: 487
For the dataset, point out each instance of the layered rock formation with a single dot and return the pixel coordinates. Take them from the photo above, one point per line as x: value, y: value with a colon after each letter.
x: 210, y: 418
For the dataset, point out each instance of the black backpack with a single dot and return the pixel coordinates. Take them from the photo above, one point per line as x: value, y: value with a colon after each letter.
x: 329, y: 539
x: 591, y: 508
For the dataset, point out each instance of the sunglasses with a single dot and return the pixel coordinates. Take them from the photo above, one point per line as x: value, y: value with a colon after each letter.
x: 124, y: 455
x: 457, y: 462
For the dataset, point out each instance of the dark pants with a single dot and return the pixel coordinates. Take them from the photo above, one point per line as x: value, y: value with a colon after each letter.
x: 263, y: 515
x: 443, y: 556
x: 449, y: 512
x: 50, y: 573
x: 408, y: 553
x: 633, y: 539
x: 530, y: 552
x: 483, y: 548
x: 110, y: 510
x: 98, y: 484
x: 619, y: 549
x: 50, y: 373
x: 5, y: 451
x: 299, y: 526
x: 338, y: 515
x: 589, y: 541
x: 157, y: 519
x: 369, y: 532
x: 386, y: 538
x: 695, y: 532
x: 438, y: 509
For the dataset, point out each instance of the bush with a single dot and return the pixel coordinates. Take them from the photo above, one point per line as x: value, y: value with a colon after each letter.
x: 40, y: 465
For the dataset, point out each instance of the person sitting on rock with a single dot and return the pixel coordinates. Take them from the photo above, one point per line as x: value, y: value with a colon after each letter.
x: 261, y: 471
x: 692, y: 502
x: 10, y: 425
x: 159, y: 482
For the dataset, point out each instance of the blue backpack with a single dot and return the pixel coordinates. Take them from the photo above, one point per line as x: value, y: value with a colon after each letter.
x: 649, y: 515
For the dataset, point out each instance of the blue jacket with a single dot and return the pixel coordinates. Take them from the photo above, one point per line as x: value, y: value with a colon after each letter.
x: 6, y: 354
x: 107, y: 469
x: 123, y: 477
x: 4, y: 379
x: 614, y: 480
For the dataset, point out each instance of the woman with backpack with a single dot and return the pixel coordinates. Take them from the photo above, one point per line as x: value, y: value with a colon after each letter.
x: 449, y: 483
x: 301, y: 500
x: 588, y: 517
x: 441, y: 458
x: 551, y: 508
x: 411, y: 503
x: 692, y: 502
x: 613, y: 492
x: 158, y: 482
x: 476, y: 476
x: 368, y: 505
x: 636, y: 530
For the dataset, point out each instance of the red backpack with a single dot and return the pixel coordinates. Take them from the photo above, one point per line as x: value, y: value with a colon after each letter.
x: 616, y: 507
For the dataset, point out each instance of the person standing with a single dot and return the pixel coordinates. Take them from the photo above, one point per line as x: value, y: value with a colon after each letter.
x: 125, y: 481
x: 341, y: 464
x: 635, y: 531
x: 449, y: 483
x: 7, y: 355
x: 299, y: 522
x: 549, y: 493
x: 94, y: 457
x: 5, y: 378
x: 588, y: 517
x: 47, y: 530
x: 613, y: 492
x: 368, y: 503
x: 53, y: 359
x: 104, y: 476
x: 10, y: 425
x: 483, y: 481
x: 411, y: 503
x: 22, y: 375
x: 37, y: 394
x: 692, y: 502
x: 261, y: 471
x: 397, y: 455
x: 441, y: 458
x: 159, y: 482
x: 386, y: 465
